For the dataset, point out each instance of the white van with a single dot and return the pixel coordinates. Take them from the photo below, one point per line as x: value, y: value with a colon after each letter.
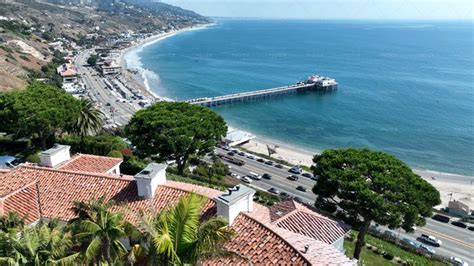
x: 254, y: 176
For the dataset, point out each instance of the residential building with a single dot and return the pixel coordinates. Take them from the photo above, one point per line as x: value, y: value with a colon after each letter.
x: 68, y: 72
x: 458, y: 208
x: 287, y: 233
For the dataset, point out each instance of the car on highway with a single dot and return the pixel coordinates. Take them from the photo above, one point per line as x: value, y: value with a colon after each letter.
x: 274, y: 190
x: 295, y: 170
x: 458, y: 262
x: 441, y: 218
x: 242, y: 153
x: 430, y: 240
x: 231, y: 153
x: 308, y: 175
x: 389, y: 234
x: 411, y: 243
x: 293, y: 177
x: 284, y: 195
x: 426, y: 249
x: 254, y: 176
x: 279, y: 166
x: 459, y: 224
x: 246, y: 179
x: 315, y: 178
x: 269, y: 162
x: 260, y: 160
x: 298, y: 199
x: 471, y: 228
x: 267, y: 176
x: 251, y: 157
x: 301, y: 188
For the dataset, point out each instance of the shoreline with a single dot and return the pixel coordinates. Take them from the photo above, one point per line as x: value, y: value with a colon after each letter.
x: 455, y: 186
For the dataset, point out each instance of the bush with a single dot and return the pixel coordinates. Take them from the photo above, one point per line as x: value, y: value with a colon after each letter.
x: 132, y: 166
x: 115, y: 154
x: 33, y: 158
x: 101, y: 144
x: 388, y: 256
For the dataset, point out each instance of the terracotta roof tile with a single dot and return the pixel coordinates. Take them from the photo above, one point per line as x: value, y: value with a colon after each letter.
x: 24, y: 202
x: 90, y: 163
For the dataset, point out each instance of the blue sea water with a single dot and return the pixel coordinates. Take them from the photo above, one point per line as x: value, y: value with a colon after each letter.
x: 405, y: 87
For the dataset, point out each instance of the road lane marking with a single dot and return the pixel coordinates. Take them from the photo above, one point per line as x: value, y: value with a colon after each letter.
x: 436, y: 233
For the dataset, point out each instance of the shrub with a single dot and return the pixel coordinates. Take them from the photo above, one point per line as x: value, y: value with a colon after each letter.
x: 132, y: 166
x: 33, y: 158
x: 388, y: 256
x: 115, y: 154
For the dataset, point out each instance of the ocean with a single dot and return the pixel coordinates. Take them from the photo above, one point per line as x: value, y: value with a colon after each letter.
x: 405, y: 87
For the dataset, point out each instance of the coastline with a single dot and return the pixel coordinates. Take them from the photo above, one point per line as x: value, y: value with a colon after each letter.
x: 450, y: 186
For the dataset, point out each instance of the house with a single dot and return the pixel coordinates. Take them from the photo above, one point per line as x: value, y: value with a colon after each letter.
x: 286, y: 233
x: 110, y: 68
x: 458, y: 208
x: 68, y: 73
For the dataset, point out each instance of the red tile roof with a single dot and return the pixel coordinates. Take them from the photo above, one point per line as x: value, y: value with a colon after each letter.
x: 24, y: 202
x: 299, y: 219
x: 90, y: 163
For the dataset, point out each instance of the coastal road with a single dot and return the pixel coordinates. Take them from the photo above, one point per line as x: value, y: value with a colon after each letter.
x: 117, y: 111
x: 457, y: 242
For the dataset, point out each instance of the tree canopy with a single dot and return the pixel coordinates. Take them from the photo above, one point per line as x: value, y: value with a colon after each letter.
x: 38, y: 111
x: 362, y: 186
x: 174, y: 131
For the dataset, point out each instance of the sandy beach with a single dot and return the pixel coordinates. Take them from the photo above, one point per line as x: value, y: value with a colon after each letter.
x: 451, y: 186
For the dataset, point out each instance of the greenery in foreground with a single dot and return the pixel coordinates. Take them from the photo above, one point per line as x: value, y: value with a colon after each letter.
x: 175, y: 236
x: 369, y: 257
x: 371, y: 186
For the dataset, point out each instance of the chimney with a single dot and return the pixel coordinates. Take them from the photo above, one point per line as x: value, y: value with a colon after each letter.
x: 149, y: 179
x: 55, y: 156
x: 237, y: 199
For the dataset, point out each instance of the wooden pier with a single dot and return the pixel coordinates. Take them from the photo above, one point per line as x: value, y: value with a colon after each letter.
x: 266, y: 93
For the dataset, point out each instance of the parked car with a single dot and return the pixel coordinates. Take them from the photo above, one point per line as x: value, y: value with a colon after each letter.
x: 251, y: 157
x: 231, y: 153
x: 242, y: 153
x: 411, y: 243
x: 7, y: 162
x: 284, y: 195
x: 260, y: 160
x: 274, y: 190
x: 279, y: 166
x: 269, y: 162
x: 301, y: 188
x: 308, y: 175
x: 441, y: 218
x: 427, y: 249
x: 471, y: 228
x: 246, y: 180
x: 389, y: 233
x: 315, y: 178
x: 267, y: 176
x: 459, y: 224
x: 293, y: 177
x: 458, y: 262
x: 430, y: 240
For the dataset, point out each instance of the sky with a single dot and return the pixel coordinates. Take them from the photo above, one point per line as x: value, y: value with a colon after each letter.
x: 333, y: 9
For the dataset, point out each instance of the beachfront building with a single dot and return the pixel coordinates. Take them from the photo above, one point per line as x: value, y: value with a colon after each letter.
x: 68, y: 72
x: 110, y: 67
x: 458, y: 208
x: 286, y: 233
x: 236, y: 137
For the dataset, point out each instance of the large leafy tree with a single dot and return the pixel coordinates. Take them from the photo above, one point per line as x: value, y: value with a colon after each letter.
x: 174, y: 131
x: 177, y: 236
x: 38, y: 111
x: 88, y: 120
x: 43, y: 244
x: 362, y: 186
x: 99, y: 230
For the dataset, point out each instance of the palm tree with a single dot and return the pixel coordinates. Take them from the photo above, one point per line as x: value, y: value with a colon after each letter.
x: 177, y: 236
x: 11, y: 222
x: 43, y: 244
x: 99, y: 231
x: 89, y: 119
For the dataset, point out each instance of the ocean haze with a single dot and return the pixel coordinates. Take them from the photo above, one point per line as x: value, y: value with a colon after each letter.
x: 405, y: 87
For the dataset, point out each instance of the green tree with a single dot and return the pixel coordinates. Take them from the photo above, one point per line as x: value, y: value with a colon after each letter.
x: 99, y: 231
x: 176, y: 236
x: 175, y: 131
x: 92, y: 60
x: 43, y: 244
x: 364, y: 186
x: 11, y: 222
x: 40, y: 111
x: 88, y: 121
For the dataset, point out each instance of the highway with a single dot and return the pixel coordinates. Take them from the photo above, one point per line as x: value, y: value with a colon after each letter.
x: 116, y: 111
x: 457, y: 242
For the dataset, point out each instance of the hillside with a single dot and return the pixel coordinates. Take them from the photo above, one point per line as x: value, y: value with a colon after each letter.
x: 26, y: 30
